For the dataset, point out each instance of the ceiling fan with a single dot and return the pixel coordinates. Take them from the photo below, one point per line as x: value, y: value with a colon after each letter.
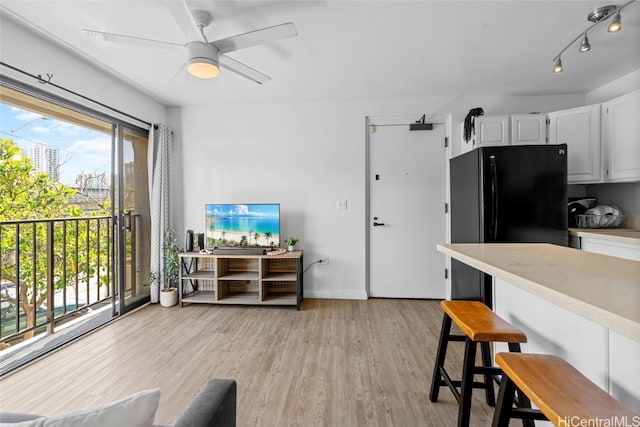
x: 204, y: 58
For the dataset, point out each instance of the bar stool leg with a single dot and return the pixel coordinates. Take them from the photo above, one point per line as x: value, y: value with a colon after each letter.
x: 522, y: 399
x: 488, y: 379
x: 506, y: 395
x: 466, y: 388
x: 436, y: 379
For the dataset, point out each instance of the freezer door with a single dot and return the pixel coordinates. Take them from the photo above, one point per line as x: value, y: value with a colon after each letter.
x: 525, y: 194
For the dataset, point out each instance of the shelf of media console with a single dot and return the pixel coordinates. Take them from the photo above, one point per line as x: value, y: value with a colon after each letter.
x: 251, y: 275
x: 219, y: 283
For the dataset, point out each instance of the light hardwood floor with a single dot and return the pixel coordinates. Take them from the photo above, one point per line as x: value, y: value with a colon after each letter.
x: 334, y: 363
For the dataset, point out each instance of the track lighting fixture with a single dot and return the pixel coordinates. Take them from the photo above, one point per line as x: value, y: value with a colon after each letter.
x: 585, y: 46
x: 615, y: 25
x: 596, y: 17
x: 558, y: 67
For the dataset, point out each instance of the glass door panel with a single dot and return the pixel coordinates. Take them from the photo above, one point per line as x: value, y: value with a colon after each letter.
x: 132, y: 224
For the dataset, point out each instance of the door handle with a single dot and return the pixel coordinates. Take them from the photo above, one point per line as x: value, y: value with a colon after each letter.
x: 378, y: 224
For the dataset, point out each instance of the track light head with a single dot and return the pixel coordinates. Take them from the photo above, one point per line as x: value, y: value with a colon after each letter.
x: 616, y: 24
x: 557, y: 68
x: 585, y: 46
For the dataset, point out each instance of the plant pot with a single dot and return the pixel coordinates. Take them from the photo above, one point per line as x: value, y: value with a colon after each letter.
x: 168, y: 297
x: 291, y: 248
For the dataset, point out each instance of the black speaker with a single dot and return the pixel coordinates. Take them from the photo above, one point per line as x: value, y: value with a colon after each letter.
x: 188, y: 245
x: 200, y: 240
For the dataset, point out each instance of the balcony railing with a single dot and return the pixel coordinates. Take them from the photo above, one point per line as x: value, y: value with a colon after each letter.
x: 51, y: 270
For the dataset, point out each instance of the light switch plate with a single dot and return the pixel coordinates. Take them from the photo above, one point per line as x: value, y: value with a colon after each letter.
x: 341, y: 205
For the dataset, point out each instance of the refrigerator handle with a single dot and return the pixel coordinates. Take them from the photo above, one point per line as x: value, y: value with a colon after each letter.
x: 493, y: 230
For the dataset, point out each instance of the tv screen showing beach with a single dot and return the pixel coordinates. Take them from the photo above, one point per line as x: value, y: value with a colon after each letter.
x: 256, y: 225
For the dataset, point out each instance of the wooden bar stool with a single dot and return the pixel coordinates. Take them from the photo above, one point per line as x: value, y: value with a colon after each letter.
x: 565, y: 396
x: 480, y: 325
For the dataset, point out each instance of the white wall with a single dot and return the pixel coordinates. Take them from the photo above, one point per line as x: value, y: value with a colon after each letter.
x: 35, y: 54
x: 613, y: 89
x: 304, y: 156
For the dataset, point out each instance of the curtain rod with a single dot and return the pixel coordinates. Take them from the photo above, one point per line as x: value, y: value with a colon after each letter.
x: 40, y: 79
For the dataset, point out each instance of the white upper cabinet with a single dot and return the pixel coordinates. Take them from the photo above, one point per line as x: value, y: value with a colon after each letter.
x: 621, y: 118
x: 579, y: 128
x: 517, y: 129
x: 527, y: 129
x: 491, y: 131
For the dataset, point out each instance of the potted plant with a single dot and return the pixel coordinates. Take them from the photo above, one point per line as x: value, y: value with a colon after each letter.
x: 169, y: 293
x: 291, y: 243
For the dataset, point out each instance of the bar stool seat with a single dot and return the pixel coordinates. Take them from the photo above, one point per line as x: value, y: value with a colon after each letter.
x: 479, y: 325
x: 565, y: 396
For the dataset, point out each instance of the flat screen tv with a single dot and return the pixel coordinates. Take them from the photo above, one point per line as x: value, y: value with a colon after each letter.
x: 242, y: 225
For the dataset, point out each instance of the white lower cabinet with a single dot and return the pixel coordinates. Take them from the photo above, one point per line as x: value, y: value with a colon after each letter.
x: 611, y: 248
x: 588, y: 346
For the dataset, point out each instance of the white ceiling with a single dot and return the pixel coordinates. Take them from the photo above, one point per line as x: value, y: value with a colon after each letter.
x: 353, y: 50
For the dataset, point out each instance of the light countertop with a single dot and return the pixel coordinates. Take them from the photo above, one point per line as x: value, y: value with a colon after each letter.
x: 601, y: 288
x: 621, y: 235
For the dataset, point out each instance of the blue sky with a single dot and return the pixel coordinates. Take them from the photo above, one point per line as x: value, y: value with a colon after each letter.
x: 81, y: 149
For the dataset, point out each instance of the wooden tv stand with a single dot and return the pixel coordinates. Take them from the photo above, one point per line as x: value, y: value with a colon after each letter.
x: 241, y: 279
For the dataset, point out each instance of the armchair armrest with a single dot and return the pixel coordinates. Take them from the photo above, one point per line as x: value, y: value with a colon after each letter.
x: 213, y: 406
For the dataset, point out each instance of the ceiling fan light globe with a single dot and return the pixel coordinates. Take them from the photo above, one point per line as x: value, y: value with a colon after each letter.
x: 203, y: 68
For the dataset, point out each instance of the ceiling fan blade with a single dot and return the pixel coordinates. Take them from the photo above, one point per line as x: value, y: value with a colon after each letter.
x: 181, y: 13
x: 243, y: 70
x: 121, y: 38
x: 254, y: 38
x: 178, y: 73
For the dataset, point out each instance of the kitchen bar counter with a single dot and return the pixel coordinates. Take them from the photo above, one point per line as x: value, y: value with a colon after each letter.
x: 603, y: 289
x: 622, y: 235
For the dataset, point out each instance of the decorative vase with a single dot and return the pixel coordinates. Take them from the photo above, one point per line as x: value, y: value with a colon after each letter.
x: 291, y: 248
x: 169, y: 297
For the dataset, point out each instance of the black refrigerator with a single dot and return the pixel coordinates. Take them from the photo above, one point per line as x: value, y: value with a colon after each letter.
x: 503, y: 195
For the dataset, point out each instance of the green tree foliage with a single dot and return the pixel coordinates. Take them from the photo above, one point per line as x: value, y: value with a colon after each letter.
x: 27, y: 195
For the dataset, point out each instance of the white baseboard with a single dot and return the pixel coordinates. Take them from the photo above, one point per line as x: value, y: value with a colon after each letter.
x: 362, y: 295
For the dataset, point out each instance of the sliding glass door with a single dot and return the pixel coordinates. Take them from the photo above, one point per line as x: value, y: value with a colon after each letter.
x: 79, y: 245
x: 130, y: 210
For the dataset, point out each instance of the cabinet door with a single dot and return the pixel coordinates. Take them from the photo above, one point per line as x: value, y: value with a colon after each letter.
x: 579, y: 128
x: 607, y: 247
x: 622, y: 133
x: 491, y: 131
x: 527, y: 129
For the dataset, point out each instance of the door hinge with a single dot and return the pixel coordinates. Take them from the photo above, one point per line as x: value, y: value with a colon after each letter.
x: 446, y: 141
x: 548, y: 121
x: 446, y: 273
x: 446, y: 208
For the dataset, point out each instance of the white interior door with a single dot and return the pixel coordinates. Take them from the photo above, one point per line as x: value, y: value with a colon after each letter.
x: 406, y: 211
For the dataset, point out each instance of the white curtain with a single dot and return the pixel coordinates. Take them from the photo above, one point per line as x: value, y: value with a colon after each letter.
x: 160, y: 145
